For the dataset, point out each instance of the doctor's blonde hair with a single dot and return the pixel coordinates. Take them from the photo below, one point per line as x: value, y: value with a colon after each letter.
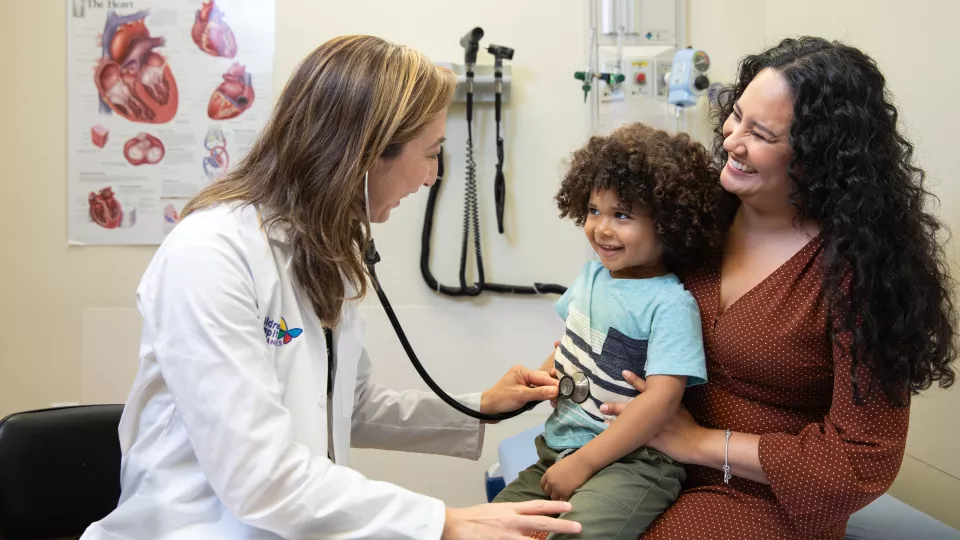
x: 351, y: 101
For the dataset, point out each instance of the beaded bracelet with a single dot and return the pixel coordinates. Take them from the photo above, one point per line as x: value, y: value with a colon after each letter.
x: 726, y: 458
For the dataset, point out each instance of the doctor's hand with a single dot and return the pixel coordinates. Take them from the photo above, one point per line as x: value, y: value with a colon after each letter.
x: 518, y: 387
x: 507, y: 521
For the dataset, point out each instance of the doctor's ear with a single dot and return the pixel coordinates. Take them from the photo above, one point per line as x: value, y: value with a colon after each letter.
x: 381, y: 167
x: 392, y: 151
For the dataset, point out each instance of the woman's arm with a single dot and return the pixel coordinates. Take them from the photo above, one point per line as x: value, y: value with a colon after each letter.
x: 744, y: 453
x: 687, y: 442
x: 832, y: 468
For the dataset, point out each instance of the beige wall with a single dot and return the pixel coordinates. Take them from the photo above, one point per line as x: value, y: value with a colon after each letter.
x: 72, y: 336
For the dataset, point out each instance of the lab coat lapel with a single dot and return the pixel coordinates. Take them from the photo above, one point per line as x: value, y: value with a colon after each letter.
x: 349, y: 345
x: 303, y: 375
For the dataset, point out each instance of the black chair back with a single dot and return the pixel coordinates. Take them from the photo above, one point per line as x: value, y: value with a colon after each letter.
x: 59, y: 470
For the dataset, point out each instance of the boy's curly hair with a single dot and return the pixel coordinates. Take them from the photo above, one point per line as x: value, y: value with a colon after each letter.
x: 672, y: 177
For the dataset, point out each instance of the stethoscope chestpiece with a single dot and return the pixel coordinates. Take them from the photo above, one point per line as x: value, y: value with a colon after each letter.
x: 576, y: 388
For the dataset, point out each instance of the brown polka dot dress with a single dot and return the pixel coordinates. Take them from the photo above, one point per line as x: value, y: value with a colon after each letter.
x: 774, y: 371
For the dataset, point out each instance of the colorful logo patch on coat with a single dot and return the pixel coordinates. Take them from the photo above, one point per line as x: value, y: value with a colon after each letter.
x: 278, y: 333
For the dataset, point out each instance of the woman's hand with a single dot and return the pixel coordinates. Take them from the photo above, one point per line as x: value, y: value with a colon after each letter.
x: 681, y: 438
x: 507, y: 521
x: 518, y: 387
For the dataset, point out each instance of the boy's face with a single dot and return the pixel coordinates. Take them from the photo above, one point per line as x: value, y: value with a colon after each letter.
x: 624, y: 238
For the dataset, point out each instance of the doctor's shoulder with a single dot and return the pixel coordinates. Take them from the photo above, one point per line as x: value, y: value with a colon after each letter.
x: 208, y: 240
x: 219, y: 224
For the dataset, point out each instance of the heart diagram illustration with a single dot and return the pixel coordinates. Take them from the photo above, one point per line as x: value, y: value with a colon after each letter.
x: 215, y: 164
x: 133, y: 79
x: 211, y: 33
x: 105, y: 209
x: 233, y: 96
x: 144, y: 149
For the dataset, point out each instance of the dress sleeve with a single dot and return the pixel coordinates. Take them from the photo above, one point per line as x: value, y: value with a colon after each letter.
x: 835, y: 467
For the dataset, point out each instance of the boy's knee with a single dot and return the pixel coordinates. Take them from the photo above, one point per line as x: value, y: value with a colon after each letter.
x: 519, y: 491
x: 509, y: 496
x: 599, y: 515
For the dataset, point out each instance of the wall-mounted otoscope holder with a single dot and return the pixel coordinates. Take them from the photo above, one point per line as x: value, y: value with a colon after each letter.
x: 484, y: 83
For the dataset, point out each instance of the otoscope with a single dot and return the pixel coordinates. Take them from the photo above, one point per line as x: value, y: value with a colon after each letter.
x: 471, y: 45
x: 500, y: 53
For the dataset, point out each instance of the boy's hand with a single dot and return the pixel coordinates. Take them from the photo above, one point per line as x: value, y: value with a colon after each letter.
x: 564, y: 477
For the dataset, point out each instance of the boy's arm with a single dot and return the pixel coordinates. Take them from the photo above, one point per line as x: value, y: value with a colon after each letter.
x: 675, y: 346
x: 637, y: 424
x: 548, y: 363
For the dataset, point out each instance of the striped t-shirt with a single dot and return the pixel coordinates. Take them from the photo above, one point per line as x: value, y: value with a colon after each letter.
x: 648, y: 326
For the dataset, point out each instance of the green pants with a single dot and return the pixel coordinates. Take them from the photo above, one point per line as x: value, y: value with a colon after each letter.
x: 619, y: 502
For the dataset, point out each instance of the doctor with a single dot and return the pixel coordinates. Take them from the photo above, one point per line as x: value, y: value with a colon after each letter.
x: 239, y: 425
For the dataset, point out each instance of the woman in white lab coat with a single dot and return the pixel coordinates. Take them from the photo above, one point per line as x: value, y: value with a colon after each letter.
x: 238, y: 426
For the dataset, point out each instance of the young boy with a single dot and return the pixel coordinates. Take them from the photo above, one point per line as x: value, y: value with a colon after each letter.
x: 647, y: 203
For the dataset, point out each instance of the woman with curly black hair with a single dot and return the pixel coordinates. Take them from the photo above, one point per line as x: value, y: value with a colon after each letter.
x: 647, y: 203
x: 828, y: 309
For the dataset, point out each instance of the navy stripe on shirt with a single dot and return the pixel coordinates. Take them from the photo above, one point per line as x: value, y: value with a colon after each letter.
x: 594, y: 379
x: 621, y: 352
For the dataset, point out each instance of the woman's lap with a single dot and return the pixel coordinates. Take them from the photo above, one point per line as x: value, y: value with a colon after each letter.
x: 721, y: 513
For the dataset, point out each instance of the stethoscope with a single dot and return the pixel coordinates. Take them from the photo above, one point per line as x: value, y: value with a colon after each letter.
x: 576, y: 388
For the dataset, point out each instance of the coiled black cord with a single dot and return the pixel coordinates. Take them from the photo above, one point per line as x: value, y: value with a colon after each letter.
x: 470, y: 217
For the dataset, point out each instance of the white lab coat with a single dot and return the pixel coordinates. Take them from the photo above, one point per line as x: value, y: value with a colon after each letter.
x: 225, y: 432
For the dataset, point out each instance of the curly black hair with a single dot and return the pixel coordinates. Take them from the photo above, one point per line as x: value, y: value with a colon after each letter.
x: 672, y: 177
x: 859, y: 182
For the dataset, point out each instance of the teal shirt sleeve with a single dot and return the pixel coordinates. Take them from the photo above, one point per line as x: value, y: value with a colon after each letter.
x: 676, y: 341
x: 563, y: 304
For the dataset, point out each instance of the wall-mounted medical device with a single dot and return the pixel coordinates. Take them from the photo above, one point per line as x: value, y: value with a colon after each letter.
x: 687, y: 80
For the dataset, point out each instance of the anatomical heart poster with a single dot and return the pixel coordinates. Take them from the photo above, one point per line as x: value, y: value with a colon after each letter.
x: 164, y: 97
